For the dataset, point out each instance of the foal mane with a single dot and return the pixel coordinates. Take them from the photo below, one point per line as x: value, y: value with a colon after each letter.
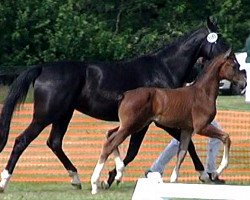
x: 209, y: 67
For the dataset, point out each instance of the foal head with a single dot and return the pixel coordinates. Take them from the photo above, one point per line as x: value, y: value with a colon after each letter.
x: 230, y: 69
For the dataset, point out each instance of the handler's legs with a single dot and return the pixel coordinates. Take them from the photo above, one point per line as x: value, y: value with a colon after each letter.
x: 172, y: 148
x: 168, y: 153
x: 214, y: 146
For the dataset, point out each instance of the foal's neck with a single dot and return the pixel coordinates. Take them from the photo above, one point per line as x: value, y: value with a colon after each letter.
x: 209, y: 80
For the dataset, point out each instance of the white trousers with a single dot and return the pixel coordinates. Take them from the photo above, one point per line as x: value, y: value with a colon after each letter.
x: 171, y: 150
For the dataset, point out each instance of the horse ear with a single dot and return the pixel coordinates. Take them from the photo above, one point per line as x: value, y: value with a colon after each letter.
x: 228, y: 53
x: 212, y: 24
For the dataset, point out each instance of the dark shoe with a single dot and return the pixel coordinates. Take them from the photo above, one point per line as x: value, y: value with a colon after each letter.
x: 216, y: 180
x: 150, y: 171
x: 146, y: 173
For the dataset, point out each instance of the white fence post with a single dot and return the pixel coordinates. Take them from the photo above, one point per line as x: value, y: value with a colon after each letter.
x: 247, y: 94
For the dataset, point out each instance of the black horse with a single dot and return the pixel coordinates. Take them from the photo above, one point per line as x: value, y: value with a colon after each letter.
x: 94, y: 88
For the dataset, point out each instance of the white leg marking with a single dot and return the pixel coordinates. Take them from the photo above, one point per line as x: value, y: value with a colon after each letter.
x: 119, y: 166
x: 95, y: 177
x: 224, y: 161
x: 174, y: 176
x: 5, y: 177
x: 75, y: 179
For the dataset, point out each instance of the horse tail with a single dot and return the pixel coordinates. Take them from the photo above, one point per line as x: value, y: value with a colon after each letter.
x: 16, y: 95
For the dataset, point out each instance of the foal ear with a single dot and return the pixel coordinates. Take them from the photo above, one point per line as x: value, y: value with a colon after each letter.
x: 228, y: 53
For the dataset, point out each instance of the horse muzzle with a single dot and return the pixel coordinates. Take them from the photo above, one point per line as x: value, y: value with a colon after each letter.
x: 241, y: 80
x: 242, y: 83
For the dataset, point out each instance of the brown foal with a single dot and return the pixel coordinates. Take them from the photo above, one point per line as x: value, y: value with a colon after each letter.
x: 190, y: 109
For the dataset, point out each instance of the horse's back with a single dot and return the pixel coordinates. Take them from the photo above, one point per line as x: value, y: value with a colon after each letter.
x: 105, y: 82
x: 57, y: 88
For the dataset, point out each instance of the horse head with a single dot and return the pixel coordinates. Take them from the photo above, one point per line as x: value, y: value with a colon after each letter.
x: 230, y: 69
x: 214, y: 44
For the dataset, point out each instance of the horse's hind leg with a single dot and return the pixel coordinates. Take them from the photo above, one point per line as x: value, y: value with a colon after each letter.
x: 118, y: 162
x: 119, y: 165
x: 55, y: 144
x: 134, y: 146
x: 21, y: 143
x: 111, y: 144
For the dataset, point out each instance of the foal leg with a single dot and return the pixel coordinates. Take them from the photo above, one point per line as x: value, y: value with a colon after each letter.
x: 54, y: 142
x: 184, y: 142
x: 21, y: 143
x: 213, y: 132
x: 109, y: 146
x: 134, y: 146
x: 192, y: 152
x: 118, y: 163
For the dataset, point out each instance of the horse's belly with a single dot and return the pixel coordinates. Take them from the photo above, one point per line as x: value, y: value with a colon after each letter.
x: 174, y: 121
x: 104, y: 110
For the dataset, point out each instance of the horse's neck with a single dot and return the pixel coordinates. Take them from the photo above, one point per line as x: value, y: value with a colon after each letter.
x: 179, y: 57
x: 209, y: 82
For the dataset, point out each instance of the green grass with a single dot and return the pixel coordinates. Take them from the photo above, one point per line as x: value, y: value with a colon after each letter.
x: 4, y: 91
x: 64, y: 191
x: 232, y: 103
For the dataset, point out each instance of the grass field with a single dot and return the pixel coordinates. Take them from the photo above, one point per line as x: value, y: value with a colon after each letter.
x: 64, y: 191
x: 232, y: 103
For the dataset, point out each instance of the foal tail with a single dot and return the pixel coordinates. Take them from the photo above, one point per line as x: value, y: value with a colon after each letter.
x: 16, y: 95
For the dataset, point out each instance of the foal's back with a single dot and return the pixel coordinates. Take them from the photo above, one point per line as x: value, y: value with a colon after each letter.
x: 167, y: 107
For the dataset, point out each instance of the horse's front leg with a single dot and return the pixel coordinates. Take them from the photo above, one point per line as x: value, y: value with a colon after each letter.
x: 184, y: 142
x: 225, y: 158
x: 191, y: 149
x: 213, y: 132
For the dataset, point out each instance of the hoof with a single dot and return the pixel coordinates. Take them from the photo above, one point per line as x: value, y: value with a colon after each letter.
x: 118, y: 182
x: 173, y: 178
x: 105, y: 185
x: 77, y: 186
x: 94, y: 188
x: 94, y: 192
x: 1, y: 190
